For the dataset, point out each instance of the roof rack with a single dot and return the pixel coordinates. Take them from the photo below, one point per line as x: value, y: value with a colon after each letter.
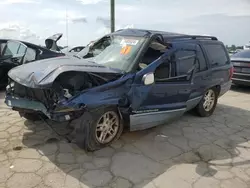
x: 194, y: 37
x: 173, y: 35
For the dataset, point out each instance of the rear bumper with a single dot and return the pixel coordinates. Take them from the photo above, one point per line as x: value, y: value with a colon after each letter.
x: 241, y: 79
x: 24, y: 105
x: 241, y: 82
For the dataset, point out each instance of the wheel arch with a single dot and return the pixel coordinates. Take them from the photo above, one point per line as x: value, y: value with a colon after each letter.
x: 217, y: 89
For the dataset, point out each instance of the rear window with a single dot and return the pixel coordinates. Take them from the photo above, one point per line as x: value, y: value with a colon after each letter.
x: 242, y: 54
x: 216, y: 54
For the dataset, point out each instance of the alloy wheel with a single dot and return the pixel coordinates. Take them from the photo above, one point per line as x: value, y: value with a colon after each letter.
x: 107, y: 127
x: 209, y: 100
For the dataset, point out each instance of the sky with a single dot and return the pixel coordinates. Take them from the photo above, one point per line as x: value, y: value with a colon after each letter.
x: 34, y: 20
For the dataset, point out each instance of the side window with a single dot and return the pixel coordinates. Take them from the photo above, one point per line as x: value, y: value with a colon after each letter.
x: 179, y: 64
x: 30, y: 55
x: 22, y: 49
x: 155, y: 50
x: 201, y: 61
x: 185, y: 60
x: 12, y: 48
x: 162, y: 72
x: 216, y: 54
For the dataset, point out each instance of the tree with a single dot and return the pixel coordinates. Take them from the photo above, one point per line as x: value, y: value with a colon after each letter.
x: 233, y: 47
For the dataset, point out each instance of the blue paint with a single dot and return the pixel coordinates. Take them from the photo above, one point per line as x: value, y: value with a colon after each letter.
x: 146, y: 105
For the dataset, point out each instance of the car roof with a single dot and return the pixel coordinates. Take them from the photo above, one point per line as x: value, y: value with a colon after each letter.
x: 143, y: 32
x: 30, y: 45
x: 26, y: 43
x: 166, y: 35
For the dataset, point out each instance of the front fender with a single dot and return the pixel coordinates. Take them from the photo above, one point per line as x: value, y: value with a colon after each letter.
x: 109, y: 94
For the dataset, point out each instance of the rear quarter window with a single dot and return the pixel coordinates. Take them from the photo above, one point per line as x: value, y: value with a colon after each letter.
x: 216, y: 54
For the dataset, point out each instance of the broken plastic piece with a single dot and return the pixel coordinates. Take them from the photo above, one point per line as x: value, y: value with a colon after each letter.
x: 67, y: 117
x: 66, y: 93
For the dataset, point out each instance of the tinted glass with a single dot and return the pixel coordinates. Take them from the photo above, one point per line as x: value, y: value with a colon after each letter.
x: 2, y: 47
x: 201, y: 62
x: 12, y: 48
x: 216, y: 54
x: 242, y: 54
x: 30, y: 55
x: 184, y: 62
x: 162, y: 72
x: 22, y: 49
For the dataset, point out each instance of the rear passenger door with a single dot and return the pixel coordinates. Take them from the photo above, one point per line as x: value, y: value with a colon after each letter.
x: 219, y: 64
x: 201, y: 78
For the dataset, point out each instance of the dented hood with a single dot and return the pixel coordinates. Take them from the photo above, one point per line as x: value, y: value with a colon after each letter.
x: 42, y: 73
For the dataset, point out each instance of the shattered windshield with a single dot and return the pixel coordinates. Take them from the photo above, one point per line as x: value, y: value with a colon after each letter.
x: 116, y: 51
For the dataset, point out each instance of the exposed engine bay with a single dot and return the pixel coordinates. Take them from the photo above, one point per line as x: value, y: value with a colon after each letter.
x: 70, y: 83
x: 65, y: 86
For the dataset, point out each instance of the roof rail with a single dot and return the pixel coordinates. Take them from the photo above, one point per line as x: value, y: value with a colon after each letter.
x: 194, y: 37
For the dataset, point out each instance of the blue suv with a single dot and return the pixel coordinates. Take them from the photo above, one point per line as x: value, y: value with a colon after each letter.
x: 130, y: 78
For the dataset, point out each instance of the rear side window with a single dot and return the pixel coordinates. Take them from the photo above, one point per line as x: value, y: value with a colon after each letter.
x: 216, y: 54
x: 185, y: 61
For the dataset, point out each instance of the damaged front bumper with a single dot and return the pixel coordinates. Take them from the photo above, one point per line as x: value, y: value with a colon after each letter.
x: 26, y: 105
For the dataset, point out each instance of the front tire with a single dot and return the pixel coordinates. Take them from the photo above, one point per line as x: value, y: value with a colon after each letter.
x: 97, y: 129
x: 30, y: 116
x: 208, y: 103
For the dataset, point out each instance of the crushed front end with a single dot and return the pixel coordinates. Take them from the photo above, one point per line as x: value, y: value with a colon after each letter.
x: 48, y: 102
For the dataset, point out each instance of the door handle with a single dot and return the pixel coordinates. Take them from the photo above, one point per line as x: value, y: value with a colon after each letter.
x: 184, y: 90
x: 205, y: 77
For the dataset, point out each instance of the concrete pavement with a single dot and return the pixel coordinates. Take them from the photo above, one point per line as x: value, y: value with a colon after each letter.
x: 191, y: 152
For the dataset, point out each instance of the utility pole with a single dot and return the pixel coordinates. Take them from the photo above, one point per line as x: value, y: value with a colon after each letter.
x: 112, y: 15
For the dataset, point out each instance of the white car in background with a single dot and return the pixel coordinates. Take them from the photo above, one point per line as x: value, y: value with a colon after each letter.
x: 247, y: 46
x: 73, y: 50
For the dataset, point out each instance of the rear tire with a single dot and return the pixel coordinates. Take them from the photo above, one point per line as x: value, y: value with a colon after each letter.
x: 92, y: 128
x: 208, y: 103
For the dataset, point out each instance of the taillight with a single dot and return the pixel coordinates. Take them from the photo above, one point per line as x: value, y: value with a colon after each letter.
x: 231, y: 72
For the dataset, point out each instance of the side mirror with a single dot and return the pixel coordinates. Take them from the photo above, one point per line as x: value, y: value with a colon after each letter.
x: 148, y: 78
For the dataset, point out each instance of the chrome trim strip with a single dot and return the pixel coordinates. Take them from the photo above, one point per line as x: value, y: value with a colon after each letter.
x: 243, y: 74
x: 237, y: 79
x: 161, y: 112
x: 165, y: 111
x: 196, y: 98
